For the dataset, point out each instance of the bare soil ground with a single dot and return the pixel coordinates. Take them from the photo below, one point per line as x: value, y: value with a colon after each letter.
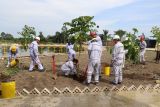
x: 134, y: 74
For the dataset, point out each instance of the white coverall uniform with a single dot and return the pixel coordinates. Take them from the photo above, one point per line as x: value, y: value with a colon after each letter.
x: 117, y: 61
x: 143, y: 46
x: 12, y: 55
x: 71, y: 52
x: 68, y: 68
x: 94, y: 51
x: 34, y: 56
x: 99, y: 41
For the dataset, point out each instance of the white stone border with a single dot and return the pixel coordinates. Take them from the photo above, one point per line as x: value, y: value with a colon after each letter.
x: 96, y: 90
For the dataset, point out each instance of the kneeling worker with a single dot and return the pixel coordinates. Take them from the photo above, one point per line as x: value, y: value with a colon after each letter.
x: 69, y: 67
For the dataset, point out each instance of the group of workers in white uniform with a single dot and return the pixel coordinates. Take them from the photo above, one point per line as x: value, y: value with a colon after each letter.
x: 94, y: 58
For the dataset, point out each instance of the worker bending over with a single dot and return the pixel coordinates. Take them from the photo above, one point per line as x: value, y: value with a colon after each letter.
x: 12, y: 55
x: 69, y: 67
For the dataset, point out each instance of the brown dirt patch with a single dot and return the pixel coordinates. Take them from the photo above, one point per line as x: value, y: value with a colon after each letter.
x: 134, y: 74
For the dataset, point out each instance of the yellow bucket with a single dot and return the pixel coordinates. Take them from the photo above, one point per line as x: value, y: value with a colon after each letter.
x: 14, y: 62
x: 8, y: 89
x: 107, y: 71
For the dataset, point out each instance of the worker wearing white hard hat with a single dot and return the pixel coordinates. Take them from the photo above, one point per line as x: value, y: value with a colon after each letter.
x: 37, y: 38
x: 117, y: 59
x: 33, y: 49
x: 13, y: 51
x: 116, y: 37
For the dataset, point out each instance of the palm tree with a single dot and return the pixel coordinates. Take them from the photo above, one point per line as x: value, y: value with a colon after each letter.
x: 120, y: 33
x: 58, y: 37
x: 106, y: 36
x: 135, y: 30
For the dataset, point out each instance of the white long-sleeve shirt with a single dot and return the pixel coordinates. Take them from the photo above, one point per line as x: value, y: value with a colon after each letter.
x: 34, y: 48
x: 94, y: 50
x: 70, y: 49
x: 118, y: 53
x: 69, y: 46
x: 98, y: 38
x: 68, y: 66
x: 143, y: 45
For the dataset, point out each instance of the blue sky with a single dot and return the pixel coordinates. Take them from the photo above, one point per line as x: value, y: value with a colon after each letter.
x: 48, y: 16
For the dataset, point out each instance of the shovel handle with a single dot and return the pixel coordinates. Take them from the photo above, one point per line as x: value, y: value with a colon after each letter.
x: 53, y: 65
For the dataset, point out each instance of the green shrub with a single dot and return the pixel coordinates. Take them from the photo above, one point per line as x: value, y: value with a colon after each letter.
x: 132, y: 44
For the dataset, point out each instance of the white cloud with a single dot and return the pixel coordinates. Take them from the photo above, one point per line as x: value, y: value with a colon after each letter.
x: 104, y: 24
x: 49, y: 15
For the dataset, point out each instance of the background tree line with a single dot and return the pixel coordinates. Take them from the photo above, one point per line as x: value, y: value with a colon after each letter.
x: 74, y: 31
x: 77, y: 31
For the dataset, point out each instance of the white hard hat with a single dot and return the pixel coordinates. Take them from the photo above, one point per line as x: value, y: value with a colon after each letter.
x: 116, y: 37
x: 37, y: 38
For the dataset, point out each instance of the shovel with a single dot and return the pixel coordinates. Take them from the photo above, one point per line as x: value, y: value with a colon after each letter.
x: 54, y: 68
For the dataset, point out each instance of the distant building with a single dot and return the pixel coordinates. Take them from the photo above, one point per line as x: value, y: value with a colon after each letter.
x: 151, y: 43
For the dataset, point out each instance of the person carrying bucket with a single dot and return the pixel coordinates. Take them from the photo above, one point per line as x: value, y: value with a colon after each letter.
x: 117, y: 60
x: 94, y: 53
x: 12, y: 55
x: 33, y: 49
